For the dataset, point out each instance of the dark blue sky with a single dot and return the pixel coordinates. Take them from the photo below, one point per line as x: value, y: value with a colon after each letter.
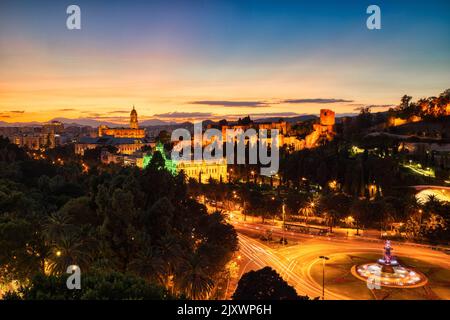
x: 225, y: 50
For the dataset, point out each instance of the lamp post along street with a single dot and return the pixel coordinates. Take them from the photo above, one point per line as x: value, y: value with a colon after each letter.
x: 283, y: 212
x: 324, y: 259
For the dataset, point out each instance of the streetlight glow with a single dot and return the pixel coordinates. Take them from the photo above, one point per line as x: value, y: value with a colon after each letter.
x: 324, y: 259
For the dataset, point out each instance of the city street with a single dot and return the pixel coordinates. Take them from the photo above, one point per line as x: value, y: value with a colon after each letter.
x: 295, y: 260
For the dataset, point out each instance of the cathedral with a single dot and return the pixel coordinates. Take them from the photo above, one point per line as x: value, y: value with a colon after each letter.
x: 126, y: 140
x: 132, y: 132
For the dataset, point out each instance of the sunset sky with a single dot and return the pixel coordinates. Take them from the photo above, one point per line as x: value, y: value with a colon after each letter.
x: 209, y: 59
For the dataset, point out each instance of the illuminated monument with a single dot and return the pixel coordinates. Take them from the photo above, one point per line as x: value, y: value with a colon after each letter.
x: 132, y: 132
x: 134, y: 119
x: 387, y: 272
x: 321, y: 131
x: 388, y: 260
x: 127, y: 140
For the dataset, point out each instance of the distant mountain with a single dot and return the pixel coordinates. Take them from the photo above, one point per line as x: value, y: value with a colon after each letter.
x: 96, y: 123
x: 20, y: 124
x: 156, y: 122
x: 351, y: 114
x: 81, y: 122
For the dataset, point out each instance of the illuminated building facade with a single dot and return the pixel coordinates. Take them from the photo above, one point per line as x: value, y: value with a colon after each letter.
x: 55, y: 127
x: 126, y: 146
x: 283, y: 127
x: 49, y: 135
x: 127, y: 140
x: 37, y: 141
x: 135, y: 159
x: 327, y: 121
x: 204, y: 170
x: 323, y: 130
x: 132, y: 132
x: 200, y: 170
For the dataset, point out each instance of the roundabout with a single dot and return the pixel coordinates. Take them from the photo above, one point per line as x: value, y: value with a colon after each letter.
x: 299, y: 264
x: 400, y: 277
x: 387, y: 272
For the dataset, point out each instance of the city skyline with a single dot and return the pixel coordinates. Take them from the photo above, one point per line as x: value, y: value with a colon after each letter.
x: 203, y: 60
x: 190, y: 152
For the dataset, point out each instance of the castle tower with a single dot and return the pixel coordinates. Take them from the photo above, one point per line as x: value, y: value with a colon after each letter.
x: 101, y: 130
x: 327, y: 117
x: 133, y: 119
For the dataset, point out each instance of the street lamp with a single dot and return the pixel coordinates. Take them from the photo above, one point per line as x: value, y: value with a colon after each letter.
x: 253, y: 176
x: 324, y: 259
x: 283, y: 212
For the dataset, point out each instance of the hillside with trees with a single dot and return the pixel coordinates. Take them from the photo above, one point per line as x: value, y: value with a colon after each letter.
x: 136, y: 226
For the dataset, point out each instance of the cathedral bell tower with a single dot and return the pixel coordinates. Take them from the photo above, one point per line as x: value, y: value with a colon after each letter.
x: 133, y: 119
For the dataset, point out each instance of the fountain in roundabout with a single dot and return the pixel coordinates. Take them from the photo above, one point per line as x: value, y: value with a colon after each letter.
x: 387, y: 272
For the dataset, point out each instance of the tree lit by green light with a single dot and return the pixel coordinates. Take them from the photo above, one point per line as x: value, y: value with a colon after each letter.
x: 169, y: 164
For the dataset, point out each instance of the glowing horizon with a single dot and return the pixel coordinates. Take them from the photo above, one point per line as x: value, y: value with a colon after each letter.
x: 216, y: 59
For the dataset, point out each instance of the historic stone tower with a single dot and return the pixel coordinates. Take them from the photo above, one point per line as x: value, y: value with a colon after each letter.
x: 327, y: 117
x: 133, y: 119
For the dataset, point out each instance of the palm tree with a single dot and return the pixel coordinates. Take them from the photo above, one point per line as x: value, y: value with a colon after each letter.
x: 170, y: 252
x: 66, y: 251
x: 193, y: 279
x: 56, y: 225
x: 308, y: 209
x: 331, y: 217
x: 149, y: 265
x: 432, y: 202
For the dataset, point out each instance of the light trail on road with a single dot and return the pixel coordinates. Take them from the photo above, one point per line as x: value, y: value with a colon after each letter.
x: 251, y: 249
x: 295, y: 261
